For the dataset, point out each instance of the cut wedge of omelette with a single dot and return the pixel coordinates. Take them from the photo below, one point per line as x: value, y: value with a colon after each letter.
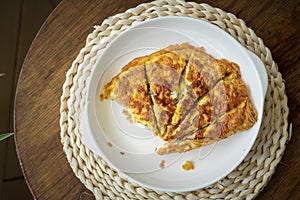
x: 129, y: 88
x: 163, y: 73
x: 188, y: 98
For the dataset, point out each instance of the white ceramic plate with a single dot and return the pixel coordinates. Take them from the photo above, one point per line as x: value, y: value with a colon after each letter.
x: 130, y: 148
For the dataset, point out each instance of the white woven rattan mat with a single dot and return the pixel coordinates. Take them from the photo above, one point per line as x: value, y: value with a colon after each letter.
x: 245, y: 182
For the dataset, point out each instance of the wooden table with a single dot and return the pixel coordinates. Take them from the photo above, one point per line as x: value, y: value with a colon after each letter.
x: 37, y: 130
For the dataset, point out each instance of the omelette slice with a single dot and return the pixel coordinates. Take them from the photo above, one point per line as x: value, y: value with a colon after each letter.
x: 240, y: 118
x: 226, y: 95
x: 202, y: 73
x: 129, y: 88
x: 163, y: 72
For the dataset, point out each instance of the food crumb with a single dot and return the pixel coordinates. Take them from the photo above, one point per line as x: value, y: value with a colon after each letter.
x: 109, y: 144
x: 128, y: 116
x: 188, y: 165
x: 122, y: 153
x: 162, y: 164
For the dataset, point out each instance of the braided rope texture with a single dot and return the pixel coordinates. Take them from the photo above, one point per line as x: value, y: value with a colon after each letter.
x: 245, y: 182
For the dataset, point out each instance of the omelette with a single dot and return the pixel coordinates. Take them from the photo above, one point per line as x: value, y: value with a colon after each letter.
x: 188, y: 98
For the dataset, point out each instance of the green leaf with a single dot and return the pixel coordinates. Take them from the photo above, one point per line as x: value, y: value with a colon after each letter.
x: 5, y: 135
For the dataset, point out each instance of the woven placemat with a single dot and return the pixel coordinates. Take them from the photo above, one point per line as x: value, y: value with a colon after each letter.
x: 245, y: 182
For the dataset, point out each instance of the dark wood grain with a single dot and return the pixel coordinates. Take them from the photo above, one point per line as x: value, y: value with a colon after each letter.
x: 63, y: 34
